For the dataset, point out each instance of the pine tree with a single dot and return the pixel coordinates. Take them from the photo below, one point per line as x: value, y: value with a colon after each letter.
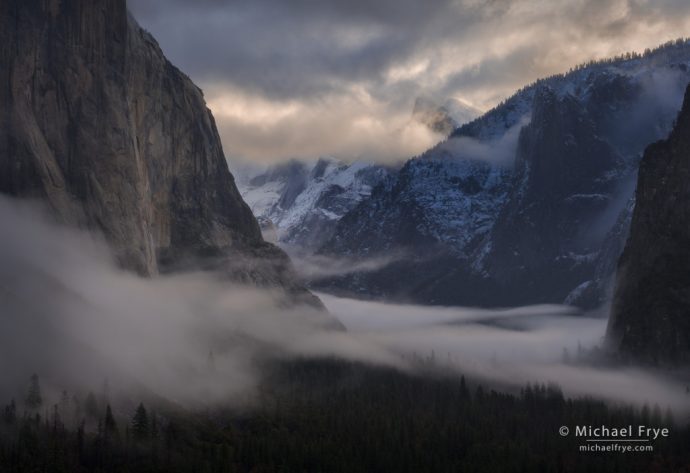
x: 110, y: 424
x: 57, y: 422
x: 464, y: 392
x: 91, y: 406
x: 479, y: 395
x: 140, y: 422
x: 81, y: 435
x: 10, y: 415
x: 76, y: 411
x: 154, y: 426
x: 645, y: 413
x: 105, y: 396
x: 656, y: 415
x: 34, y: 399
x: 668, y: 418
x: 64, y: 403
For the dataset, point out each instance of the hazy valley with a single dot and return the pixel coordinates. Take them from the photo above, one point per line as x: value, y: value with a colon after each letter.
x: 169, y: 306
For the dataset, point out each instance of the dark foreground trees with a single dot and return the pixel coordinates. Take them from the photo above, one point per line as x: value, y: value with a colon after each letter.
x: 331, y: 416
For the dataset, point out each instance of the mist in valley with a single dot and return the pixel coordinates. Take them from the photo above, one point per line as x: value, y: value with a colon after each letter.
x: 512, y: 347
x: 72, y: 316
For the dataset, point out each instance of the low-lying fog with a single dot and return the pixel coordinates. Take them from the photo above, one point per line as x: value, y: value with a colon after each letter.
x: 545, y: 343
x: 69, y: 314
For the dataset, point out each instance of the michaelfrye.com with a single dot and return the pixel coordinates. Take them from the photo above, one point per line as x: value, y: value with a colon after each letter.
x: 624, y: 439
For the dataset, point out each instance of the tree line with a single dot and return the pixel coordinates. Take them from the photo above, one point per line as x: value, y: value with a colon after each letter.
x: 337, y: 416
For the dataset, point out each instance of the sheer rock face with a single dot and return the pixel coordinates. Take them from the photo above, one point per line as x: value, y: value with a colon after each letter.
x: 650, y: 317
x: 564, y: 180
x: 99, y: 125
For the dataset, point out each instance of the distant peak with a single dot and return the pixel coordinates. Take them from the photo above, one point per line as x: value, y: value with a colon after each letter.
x: 427, y: 112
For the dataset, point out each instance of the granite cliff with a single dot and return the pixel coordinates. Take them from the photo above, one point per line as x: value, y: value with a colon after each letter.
x: 650, y: 314
x: 100, y: 126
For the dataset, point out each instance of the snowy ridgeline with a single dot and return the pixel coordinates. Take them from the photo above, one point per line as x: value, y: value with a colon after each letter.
x: 299, y: 203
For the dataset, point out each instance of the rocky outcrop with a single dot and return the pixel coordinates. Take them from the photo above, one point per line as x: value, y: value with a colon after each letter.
x: 99, y: 125
x: 565, y: 178
x: 650, y: 314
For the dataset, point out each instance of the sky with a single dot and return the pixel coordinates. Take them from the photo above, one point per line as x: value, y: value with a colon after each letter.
x: 308, y: 78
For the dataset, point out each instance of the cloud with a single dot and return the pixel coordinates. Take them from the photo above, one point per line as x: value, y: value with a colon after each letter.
x: 349, y: 127
x: 500, y: 151
x: 313, y: 267
x: 70, y: 315
x: 321, y: 58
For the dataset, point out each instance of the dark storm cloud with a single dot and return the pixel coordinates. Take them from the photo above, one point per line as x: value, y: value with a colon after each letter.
x: 277, y: 68
x: 287, y: 49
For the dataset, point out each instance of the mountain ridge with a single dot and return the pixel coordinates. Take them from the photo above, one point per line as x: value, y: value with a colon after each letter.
x: 302, y: 201
x: 620, y: 106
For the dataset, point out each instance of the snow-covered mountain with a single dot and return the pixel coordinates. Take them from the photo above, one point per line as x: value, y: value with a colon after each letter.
x: 461, y: 111
x: 525, y: 204
x: 299, y: 203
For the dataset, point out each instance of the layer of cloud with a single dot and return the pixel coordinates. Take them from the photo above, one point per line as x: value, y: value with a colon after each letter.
x: 348, y: 127
x: 304, y: 78
x: 514, y: 346
x: 314, y: 267
x: 500, y: 151
x: 70, y: 315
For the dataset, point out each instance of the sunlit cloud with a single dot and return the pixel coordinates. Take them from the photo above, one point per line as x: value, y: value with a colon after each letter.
x: 357, y: 126
x: 306, y: 78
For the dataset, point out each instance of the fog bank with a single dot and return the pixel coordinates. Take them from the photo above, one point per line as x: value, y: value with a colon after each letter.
x: 68, y: 313
x: 515, y: 346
